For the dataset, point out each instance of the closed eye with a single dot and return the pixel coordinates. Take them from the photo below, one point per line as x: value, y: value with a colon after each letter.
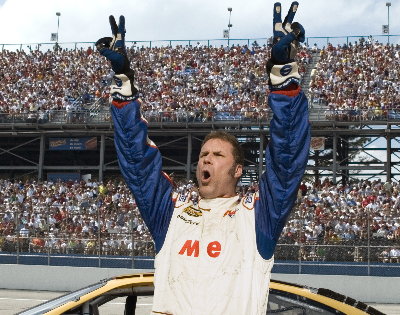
x: 217, y: 153
x: 203, y: 154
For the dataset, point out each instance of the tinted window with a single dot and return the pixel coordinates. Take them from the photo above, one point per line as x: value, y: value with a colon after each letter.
x: 281, y: 302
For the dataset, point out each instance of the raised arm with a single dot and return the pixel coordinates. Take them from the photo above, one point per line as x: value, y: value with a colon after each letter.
x: 139, y: 158
x: 287, y: 150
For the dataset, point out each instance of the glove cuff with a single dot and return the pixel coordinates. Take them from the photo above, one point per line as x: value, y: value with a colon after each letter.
x: 281, y: 76
x: 123, y: 89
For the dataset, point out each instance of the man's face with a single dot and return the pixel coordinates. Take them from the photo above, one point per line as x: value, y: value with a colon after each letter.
x: 217, y: 172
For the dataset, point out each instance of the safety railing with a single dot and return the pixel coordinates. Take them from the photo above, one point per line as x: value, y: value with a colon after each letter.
x: 319, y: 41
x: 322, y: 113
x: 125, y: 250
x: 343, y: 257
x: 82, y: 237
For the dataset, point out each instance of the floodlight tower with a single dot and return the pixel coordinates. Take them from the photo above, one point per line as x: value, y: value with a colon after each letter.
x: 58, y: 23
x: 229, y: 24
x: 388, y: 4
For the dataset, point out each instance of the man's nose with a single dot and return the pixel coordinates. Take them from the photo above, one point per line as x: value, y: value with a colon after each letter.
x: 207, y: 159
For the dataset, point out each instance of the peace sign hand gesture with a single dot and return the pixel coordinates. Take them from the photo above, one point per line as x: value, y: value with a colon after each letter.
x: 282, y: 29
x: 282, y: 68
x: 113, y: 48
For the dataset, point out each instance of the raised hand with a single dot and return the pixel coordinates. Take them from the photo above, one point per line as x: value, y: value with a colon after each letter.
x: 281, y: 29
x: 118, y: 31
x: 282, y: 68
x: 113, y: 48
x: 291, y: 34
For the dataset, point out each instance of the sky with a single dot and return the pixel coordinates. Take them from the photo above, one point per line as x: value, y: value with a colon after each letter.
x: 32, y: 21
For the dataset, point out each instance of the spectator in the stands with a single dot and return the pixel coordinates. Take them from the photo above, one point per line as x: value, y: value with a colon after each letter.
x: 182, y: 82
x: 357, y: 81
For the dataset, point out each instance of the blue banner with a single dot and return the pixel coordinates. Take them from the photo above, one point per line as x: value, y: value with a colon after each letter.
x: 63, y: 177
x: 73, y: 144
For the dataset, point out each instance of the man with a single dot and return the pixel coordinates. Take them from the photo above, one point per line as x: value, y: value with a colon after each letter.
x: 214, y: 254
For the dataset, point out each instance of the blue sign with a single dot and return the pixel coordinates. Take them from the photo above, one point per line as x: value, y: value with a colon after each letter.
x: 73, y: 144
x: 64, y: 177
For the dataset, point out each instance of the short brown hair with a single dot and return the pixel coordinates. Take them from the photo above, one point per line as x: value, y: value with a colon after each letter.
x: 237, y: 150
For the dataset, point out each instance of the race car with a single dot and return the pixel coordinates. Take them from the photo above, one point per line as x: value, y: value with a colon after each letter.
x: 284, y: 298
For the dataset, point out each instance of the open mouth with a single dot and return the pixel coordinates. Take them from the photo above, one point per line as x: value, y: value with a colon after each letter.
x: 206, y: 176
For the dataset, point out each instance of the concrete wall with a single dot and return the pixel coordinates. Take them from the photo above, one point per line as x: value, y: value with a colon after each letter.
x: 54, y: 278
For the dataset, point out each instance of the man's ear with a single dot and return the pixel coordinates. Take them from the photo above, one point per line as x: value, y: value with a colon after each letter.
x: 238, y: 170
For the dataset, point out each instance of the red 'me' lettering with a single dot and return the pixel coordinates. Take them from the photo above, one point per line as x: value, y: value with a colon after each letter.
x: 190, y: 248
x: 214, y: 249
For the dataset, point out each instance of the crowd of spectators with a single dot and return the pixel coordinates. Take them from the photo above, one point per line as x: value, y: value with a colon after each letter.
x: 176, y: 80
x: 72, y: 217
x: 205, y: 81
x: 358, y: 81
x: 352, y: 215
x: 37, y: 81
x: 83, y: 217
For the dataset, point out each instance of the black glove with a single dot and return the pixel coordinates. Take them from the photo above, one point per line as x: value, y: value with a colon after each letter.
x: 282, y: 68
x: 113, y: 48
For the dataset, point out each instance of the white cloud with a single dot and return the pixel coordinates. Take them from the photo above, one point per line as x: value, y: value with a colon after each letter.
x: 26, y: 21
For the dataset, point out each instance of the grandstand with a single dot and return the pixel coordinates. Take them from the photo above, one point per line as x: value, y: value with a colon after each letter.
x: 61, y: 191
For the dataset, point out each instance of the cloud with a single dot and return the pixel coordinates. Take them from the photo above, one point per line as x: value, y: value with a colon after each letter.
x: 27, y: 21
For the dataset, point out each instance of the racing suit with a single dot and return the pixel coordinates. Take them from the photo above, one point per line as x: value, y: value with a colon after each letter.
x: 214, y: 256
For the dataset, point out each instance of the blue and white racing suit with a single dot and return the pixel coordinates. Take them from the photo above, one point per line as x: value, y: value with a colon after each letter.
x: 215, y: 256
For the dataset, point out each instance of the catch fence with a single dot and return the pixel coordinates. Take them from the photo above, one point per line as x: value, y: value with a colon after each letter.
x: 374, y: 256
x: 317, y: 113
x: 318, y: 41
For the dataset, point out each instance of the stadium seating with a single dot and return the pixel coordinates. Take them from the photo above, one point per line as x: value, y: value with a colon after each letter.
x: 83, y: 217
x: 358, y: 81
x: 171, y: 79
x: 354, y: 82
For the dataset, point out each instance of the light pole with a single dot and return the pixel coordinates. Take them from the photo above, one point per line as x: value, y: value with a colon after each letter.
x: 388, y: 4
x: 58, y: 23
x: 229, y: 24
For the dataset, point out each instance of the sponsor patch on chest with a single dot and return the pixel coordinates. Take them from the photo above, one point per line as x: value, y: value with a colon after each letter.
x: 191, y: 215
x: 186, y: 220
x: 192, y: 211
x: 230, y: 213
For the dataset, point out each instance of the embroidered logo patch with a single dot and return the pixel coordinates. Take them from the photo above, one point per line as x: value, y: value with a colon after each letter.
x: 249, y: 199
x: 183, y: 197
x: 189, y: 221
x: 118, y: 81
x: 285, y: 70
x: 193, y: 212
x: 231, y: 213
